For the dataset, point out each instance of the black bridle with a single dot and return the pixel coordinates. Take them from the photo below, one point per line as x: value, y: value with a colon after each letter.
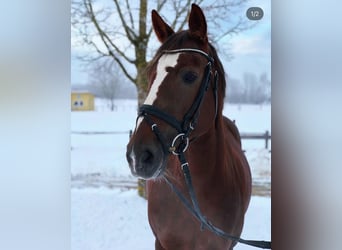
x: 180, y: 144
x: 190, y: 118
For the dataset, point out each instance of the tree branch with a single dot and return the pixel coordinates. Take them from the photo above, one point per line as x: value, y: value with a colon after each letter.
x: 160, y: 5
x: 106, y: 40
x: 129, y: 32
x: 104, y: 36
x: 180, y: 10
x: 127, y: 74
x: 94, y: 27
x: 130, y: 14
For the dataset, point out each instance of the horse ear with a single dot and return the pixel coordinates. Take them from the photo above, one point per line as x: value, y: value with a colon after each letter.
x: 197, y: 23
x: 162, y: 29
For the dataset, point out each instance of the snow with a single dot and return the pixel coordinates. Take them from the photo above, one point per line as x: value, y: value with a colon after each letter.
x: 109, y: 219
x: 117, y: 219
x: 107, y: 213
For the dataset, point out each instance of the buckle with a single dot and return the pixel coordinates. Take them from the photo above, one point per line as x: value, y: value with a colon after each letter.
x: 183, y: 144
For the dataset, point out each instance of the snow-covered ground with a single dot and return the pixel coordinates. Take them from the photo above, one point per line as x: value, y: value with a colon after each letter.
x: 106, y: 213
x: 107, y: 219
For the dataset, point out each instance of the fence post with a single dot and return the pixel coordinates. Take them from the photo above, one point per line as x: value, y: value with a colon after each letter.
x: 266, y: 139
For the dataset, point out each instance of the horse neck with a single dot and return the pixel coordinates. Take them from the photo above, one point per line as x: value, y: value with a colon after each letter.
x: 207, y: 154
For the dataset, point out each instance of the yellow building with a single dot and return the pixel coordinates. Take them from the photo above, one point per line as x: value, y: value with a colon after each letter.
x: 82, y: 101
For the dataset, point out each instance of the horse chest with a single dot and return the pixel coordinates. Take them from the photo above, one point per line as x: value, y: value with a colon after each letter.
x: 165, y: 211
x: 176, y: 228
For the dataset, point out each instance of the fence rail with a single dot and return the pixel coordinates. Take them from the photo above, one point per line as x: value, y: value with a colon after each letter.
x: 257, y: 136
x: 266, y: 136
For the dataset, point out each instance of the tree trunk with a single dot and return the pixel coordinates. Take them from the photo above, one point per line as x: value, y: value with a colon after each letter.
x: 142, y: 92
x: 112, y: 104
x: 141, y: 81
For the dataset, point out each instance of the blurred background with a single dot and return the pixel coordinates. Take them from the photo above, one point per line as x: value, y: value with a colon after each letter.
x: 36, y: 191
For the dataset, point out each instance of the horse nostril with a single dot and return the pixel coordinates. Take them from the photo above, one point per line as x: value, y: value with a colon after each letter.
x: 146, y: 157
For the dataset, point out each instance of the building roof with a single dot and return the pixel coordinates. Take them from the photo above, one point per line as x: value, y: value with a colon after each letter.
x: 80, y: 89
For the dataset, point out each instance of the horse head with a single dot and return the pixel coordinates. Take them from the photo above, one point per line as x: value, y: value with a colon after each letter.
x: 177, y: 108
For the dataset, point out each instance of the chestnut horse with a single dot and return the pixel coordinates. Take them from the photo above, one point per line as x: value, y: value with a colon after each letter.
x: 181, y: 123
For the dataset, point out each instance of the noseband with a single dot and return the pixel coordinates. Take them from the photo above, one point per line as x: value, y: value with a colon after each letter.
x: 181, y: 142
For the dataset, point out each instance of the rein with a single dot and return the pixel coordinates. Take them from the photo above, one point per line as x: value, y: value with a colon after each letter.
x: 181, y: 142
x: 196, y: 212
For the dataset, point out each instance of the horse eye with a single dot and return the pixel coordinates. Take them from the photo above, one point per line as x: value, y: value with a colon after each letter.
x: 189, y: 77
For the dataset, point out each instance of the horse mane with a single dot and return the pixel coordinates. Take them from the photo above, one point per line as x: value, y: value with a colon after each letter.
x: 231, y: 126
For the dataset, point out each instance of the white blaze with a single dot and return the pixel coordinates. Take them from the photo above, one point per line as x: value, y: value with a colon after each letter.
x: 165, y: 61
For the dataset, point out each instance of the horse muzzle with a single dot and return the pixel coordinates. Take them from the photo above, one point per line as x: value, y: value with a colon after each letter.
x: 146, y: 161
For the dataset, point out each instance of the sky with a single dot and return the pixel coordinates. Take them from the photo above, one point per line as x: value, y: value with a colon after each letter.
x: 251, y: 49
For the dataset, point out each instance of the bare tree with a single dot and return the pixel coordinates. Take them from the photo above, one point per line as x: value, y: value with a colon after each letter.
x: 105, y: 78
x: 251, y: 90
x: 121, y: 29
x: 235, y: 92
x: 266, y: 83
